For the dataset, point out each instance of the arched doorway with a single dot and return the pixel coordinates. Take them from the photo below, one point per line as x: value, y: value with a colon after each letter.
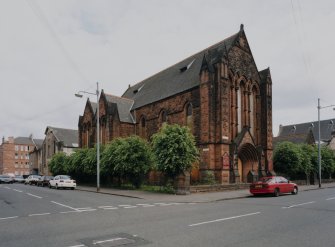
x: 247, y: 161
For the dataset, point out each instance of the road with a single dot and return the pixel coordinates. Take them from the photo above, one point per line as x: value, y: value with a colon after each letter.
x: 35, y: 216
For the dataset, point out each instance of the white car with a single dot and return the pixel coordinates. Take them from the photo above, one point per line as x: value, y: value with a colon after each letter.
x: 62, y: 181
x: 32, y: 179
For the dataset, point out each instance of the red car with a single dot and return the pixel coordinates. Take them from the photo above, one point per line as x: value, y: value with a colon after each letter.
x: 274, y: 185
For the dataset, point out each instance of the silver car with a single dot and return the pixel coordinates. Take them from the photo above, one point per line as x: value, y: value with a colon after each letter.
x: 5, y: 179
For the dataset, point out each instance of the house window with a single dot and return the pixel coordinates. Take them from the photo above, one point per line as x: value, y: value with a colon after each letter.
x: 16, y: 156
x: 16, y: 148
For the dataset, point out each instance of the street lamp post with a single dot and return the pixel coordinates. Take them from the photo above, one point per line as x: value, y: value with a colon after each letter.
x: 98, y: 132
x: 319, y: 139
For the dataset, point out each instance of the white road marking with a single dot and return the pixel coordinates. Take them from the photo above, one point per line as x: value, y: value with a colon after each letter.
x: 39, y: 197
x: 12, y: 217
x: 331, y: 198
x: 229, y: 218
x: 297, y: 205
x: 79, y: 245
x: 130, y: 207
x: 66, y: 212
x: 7, y: 187
x: 107, y: 240
x: 107, y: 207
x: 18, y: 190
x: 65, y: 206
x: 124, y: 205
x: 87, y: 210
x: 38, y: 214
x: 110, y: 208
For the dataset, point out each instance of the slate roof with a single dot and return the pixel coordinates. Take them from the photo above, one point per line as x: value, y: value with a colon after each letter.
x: 179, y: 77
x: 38, y: 143
x: 69, y: 137
x: 124, y: 106
x: 297, y: 138
x: 23, y: 140
x: 326, y: 128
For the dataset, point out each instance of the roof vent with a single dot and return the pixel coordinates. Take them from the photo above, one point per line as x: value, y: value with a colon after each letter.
x: 137, y: 90
x: 182, y: 69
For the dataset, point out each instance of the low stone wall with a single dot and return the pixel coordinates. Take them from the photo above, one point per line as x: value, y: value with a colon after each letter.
x: 218, y: 187
x: 304, y: 182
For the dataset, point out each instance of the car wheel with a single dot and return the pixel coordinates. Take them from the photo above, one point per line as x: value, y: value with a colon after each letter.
x: 295, y: 190
x: 72, y: 188
x: 50, y: 186
x: 276, y: 192
x: 56, y: 187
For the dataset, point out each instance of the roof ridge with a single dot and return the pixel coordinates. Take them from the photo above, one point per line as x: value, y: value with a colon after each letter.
x: 120, y: 97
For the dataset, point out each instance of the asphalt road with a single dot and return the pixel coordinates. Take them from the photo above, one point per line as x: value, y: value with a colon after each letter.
x: 35, y: 216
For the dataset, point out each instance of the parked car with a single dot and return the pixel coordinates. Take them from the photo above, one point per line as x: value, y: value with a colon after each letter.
x: 5, y: 179
x: 274, y: 185
x: 32, y: 179
x: 19, y: 179
x: 44, y: 181
x: 62, y: 181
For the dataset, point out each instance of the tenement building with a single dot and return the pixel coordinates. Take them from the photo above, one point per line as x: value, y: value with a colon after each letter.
x: 218, y: 93
x: 14, y: 155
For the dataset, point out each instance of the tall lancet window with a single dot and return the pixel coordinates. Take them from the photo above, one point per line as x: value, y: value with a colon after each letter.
x: 239, y: 110
x: 252, y: 112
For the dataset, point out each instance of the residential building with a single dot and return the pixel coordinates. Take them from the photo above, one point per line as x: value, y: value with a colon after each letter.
x: 14, y: 155
x: 327, y: 130
x: 219, y: 93
x: 57, y: 140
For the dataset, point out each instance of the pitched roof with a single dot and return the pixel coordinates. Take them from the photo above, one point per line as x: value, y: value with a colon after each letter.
x: 124, y: 106
x: 326, y: 128
x: 69, y: 137
x: 264, y: 74
x: 179, y: 77
x: 297, y: 138
x: 23, y: 140
x: 38, y: 143
x: 94, y: 106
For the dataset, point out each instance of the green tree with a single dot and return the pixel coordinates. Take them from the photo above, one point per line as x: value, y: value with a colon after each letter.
x: 306, y: 165
x: 174, y: 149
x: 129, y: 158
x: 76, y: 165
x: 288, y: 158
x: 58, y: 163
x: 327, y: 161
x: 108, y: 159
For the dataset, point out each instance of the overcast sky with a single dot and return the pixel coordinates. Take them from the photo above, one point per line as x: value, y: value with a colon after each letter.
x: 49, y: 50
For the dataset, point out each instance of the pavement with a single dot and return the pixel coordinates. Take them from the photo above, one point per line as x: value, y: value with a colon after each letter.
x: 200, y: 197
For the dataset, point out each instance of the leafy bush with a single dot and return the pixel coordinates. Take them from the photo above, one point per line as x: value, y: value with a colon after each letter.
x: 174, y: 149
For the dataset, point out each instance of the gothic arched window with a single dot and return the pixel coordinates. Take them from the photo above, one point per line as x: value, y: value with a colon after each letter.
x: 189, y: 115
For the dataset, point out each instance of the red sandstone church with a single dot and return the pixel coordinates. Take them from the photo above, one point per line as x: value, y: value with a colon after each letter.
x: 218, y: 93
